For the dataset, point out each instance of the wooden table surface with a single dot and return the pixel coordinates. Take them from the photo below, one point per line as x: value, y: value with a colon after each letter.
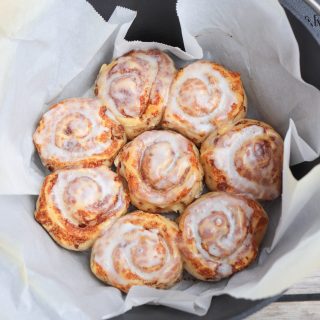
x: 301, y: 301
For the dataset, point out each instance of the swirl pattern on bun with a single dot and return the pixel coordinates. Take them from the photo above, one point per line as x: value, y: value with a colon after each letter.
x: 203, y: 97
x: 76, y: 205
x: 246, y: 158
x: 221, y: 234
x: 78, y: 132
x: 138, y: 249
x: 135, y: 88
x: 162, y: 170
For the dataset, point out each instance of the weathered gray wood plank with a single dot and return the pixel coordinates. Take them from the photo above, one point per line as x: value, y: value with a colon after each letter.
x: 309, y: 310
x: 294, y: 310
x: 309, y: 285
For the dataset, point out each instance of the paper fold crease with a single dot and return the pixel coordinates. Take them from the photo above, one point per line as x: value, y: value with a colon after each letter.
x: 61, y: 59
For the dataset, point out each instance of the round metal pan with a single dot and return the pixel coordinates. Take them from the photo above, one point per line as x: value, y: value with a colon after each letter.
x: 305, y: 22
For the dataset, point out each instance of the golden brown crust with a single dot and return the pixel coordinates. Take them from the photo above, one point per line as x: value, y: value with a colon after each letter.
x: 78, y: 132
x: 220, y: 234
x: 162, y: 170
x: 138, y: 249
x: 135, y: 87
x: 75, y: 205
x: 245, y: 158
x: 204, y: 96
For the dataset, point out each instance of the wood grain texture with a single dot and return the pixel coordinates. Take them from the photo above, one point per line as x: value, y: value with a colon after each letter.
x: 295, y: 308
x: 309, y: 285
x: 289, y: 310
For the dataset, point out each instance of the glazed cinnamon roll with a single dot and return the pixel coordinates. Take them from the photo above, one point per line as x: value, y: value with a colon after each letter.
x: 246, y: 158
x: 220, y: 235
x: 75, y: 205
x: 138, y: 249
x: 203, y: 97
x: 78, y: 133
x: 135, y: 88
x: 163, y: 171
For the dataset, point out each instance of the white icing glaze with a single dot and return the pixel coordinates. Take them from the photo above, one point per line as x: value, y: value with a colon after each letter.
x: 126, y: 236
x: 202, y: 73
x: 133, y: 76
x: 225, y: 269
x: 231, y: 233
x: 165, y: 160
x: 81, y: 117
x: 93, y: 190
x: 128, y: 87
x: 203, y: 209
x: 224, y: 160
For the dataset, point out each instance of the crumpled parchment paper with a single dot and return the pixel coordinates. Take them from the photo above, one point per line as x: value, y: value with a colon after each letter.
x: 52, y: 50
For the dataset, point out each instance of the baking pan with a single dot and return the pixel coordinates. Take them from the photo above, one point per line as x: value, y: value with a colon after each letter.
x: 305, y: 22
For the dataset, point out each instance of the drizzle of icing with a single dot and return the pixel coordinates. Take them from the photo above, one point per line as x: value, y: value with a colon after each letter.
x: 164, y: 166
x: 71, y: 131
x: 143, y: 252
x: 200, y: 96
x: 225, y: 159
x: 227, y: 207
x: 133, y: 77
x: 93, y: 191
x: 218, y: 226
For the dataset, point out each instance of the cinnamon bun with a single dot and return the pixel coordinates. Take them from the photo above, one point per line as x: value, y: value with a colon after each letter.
x: 78, y: 132
x: 75, y: 205
x: 221, y: 234
x: 203, y: 97
x: 246, y: 158
x: 135, y: 88
x: 138, y: 249
x: 162, y: 170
